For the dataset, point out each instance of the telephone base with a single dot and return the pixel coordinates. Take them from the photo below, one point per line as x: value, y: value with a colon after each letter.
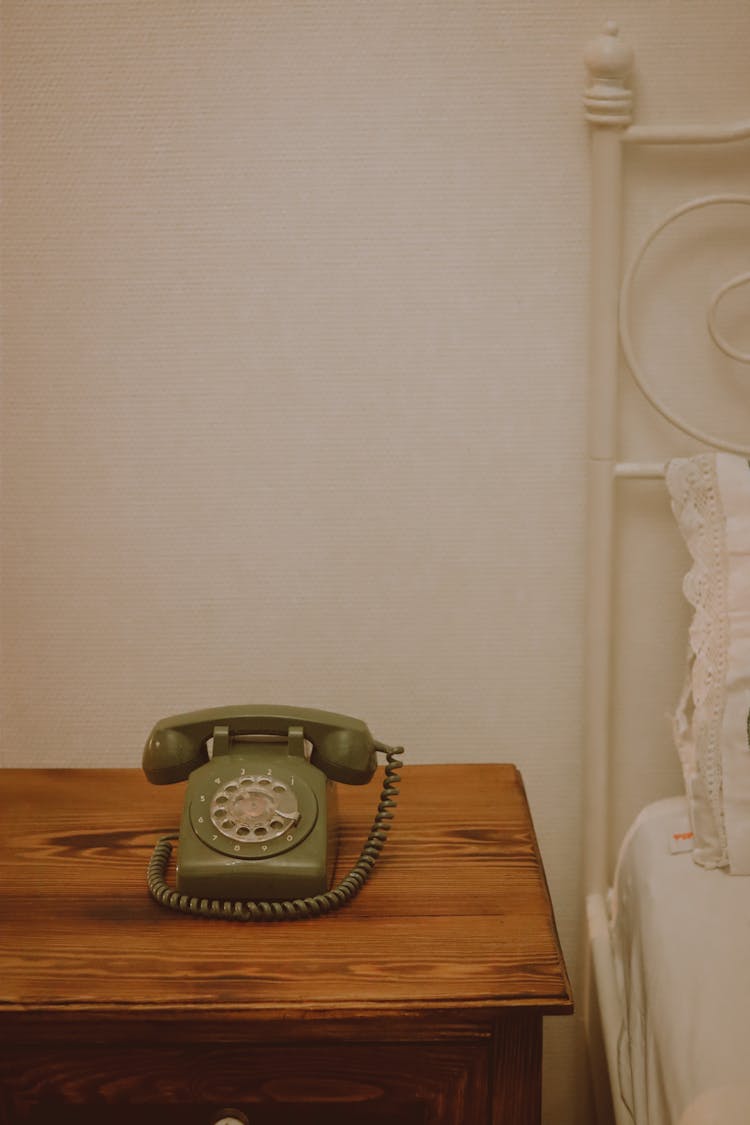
x: 257, y: 825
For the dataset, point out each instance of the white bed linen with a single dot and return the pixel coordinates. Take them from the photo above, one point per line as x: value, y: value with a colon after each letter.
x: 681, y: 940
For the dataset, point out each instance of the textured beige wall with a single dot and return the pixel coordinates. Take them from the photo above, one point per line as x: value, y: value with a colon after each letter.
x: 294, y: 372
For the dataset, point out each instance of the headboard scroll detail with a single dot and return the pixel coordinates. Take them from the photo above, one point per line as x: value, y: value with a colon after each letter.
x: 626, y: 334
x: 716, y: 336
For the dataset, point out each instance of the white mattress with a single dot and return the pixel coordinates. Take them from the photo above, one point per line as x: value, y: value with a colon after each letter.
x: 681, y: 936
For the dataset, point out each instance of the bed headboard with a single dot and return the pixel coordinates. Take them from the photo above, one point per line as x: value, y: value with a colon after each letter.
x: 669, y: 424
x: 608, y: 105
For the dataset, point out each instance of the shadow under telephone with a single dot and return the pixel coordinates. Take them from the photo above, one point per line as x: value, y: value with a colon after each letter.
x: 257, y: 836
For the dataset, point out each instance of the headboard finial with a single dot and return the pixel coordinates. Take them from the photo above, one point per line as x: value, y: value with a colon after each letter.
x: 608, y: 99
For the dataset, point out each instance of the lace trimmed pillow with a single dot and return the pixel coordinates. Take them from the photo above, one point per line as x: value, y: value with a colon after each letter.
x: 710, y: 496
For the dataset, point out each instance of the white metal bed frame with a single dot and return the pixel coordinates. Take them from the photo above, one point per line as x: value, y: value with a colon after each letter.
x: 608, y: 105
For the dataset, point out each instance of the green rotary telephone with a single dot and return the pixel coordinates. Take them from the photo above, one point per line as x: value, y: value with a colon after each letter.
x: 257, y: 836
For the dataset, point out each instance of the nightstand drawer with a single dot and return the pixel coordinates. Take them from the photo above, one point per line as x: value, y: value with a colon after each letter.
x: 438, y: 1084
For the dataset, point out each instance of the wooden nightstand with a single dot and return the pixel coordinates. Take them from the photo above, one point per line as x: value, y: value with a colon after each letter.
x: 421, y: 1001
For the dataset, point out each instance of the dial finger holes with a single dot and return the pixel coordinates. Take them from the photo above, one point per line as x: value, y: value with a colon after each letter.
x: 254, y: 808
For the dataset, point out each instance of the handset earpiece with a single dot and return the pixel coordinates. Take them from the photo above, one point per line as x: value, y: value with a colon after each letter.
x: 345, y: 755
x: 171, y: 754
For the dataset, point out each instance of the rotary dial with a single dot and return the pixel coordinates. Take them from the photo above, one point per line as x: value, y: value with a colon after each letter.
x: 254, y: 808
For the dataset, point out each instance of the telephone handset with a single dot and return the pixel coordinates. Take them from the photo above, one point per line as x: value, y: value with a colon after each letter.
x: 257, y: 836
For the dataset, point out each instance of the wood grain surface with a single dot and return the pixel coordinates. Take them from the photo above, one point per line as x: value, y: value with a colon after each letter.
x: 456, y: 920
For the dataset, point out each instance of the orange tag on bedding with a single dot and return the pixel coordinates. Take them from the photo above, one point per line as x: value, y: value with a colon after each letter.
x: 681, y: 837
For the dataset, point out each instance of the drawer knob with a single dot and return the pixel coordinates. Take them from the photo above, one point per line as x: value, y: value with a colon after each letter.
x: 229, y: 1117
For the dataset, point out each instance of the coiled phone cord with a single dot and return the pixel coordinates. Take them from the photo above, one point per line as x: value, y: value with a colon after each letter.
x: 288, y: 910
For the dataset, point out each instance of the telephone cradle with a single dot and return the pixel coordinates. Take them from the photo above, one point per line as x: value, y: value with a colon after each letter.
x: 257, y: 835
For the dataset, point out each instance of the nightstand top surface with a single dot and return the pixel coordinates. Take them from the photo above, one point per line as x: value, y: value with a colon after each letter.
x: 456, y: 916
